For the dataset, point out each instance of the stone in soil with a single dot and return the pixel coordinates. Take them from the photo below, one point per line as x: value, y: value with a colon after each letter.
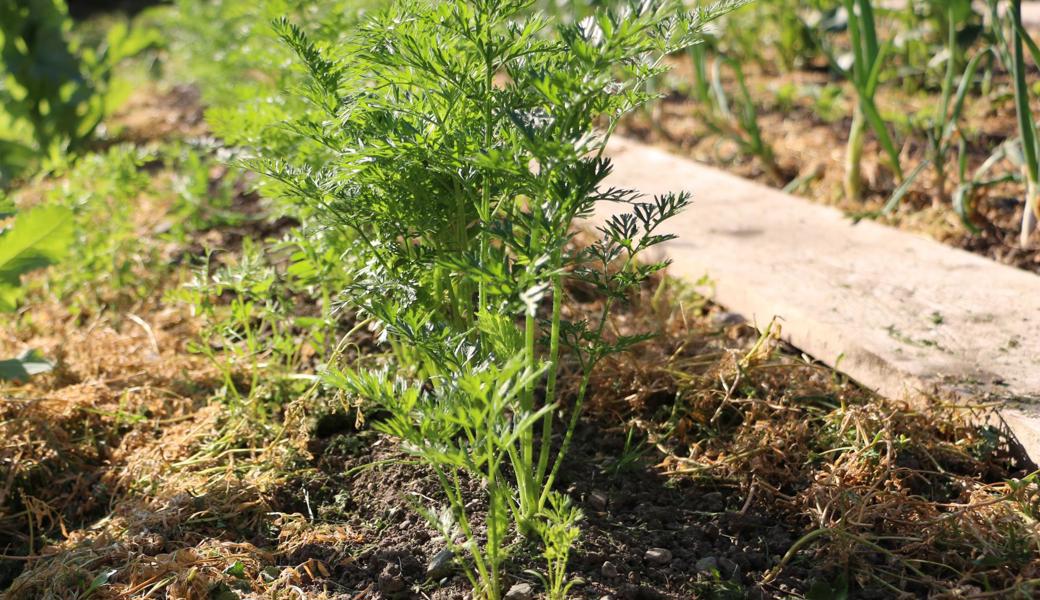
x: 609, y: 570
x: 729, y: 569
x: 713, y: 502
x: 441, y: 565
x: 520, y: 591
x: 598, y: 500
x: 658, y: 556
x: 727, y: 319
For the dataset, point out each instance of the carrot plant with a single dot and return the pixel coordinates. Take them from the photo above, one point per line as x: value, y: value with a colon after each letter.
x: 466, y: 138
x: 559, y: 530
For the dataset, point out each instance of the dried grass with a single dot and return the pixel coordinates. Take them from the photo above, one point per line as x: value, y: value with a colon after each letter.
x: 917, y: 498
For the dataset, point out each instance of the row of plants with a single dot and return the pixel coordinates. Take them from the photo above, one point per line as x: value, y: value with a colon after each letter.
x: 957, y: 54
x: 56, y: 90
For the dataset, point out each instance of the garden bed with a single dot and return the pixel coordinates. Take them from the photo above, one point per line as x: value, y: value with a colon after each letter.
x: 259, y: 361
x: 709, y: 459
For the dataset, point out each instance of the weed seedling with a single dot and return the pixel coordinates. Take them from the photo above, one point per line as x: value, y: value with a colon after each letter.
x: 559, y: 530
x: 741, y: 126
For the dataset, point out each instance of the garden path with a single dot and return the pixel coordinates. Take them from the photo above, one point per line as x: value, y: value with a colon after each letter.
x: 900, y: 313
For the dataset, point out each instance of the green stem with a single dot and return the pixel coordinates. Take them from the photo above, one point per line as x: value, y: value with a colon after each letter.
x: 554, y: 368
x: 453, y: 491
x: 527, y: 401
x: 565, y: 446
x: 494, y: 538
x: 1026, y: 125
x: 579, y: 402
x: 485, y: 192
x: 1029, y: 217
x: 854, y: 154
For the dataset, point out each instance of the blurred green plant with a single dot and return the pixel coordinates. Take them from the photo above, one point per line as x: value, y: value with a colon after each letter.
x: 775, y: 36
x: 940, y: 125
x: 36, y: 238
x: 925, y: 28
x: 740, y: 125
x: 244, y: 79
x: 255, y: 334
x: 944, y: 130
x: 53, y: 92
x: 964, y: 195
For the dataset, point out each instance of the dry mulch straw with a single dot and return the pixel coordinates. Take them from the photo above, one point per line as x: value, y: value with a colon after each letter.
x: 900, y: 499
x: 111, y: 485
x: 68, y: 435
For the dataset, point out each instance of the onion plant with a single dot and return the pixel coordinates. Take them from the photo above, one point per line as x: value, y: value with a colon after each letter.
x: 868, y: 59
x: 466, y: 139
x: 1012, y: 42
x: 964, y: 194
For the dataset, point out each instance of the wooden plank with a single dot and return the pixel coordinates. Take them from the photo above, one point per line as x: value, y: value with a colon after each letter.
x: 900, y: 313
x: 1031, y: 14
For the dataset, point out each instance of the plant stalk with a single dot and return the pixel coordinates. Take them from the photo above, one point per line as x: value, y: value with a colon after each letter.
x: 854, y: 154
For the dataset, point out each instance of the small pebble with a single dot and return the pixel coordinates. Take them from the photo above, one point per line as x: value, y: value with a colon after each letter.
x: 609, y: 570
x: 520, y: 591
x: 707, y: 564
x: 598, y: 500
x: 441, y: 565
x: 658, y: 556
x: 727, y: 319
x: 713, y: 502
